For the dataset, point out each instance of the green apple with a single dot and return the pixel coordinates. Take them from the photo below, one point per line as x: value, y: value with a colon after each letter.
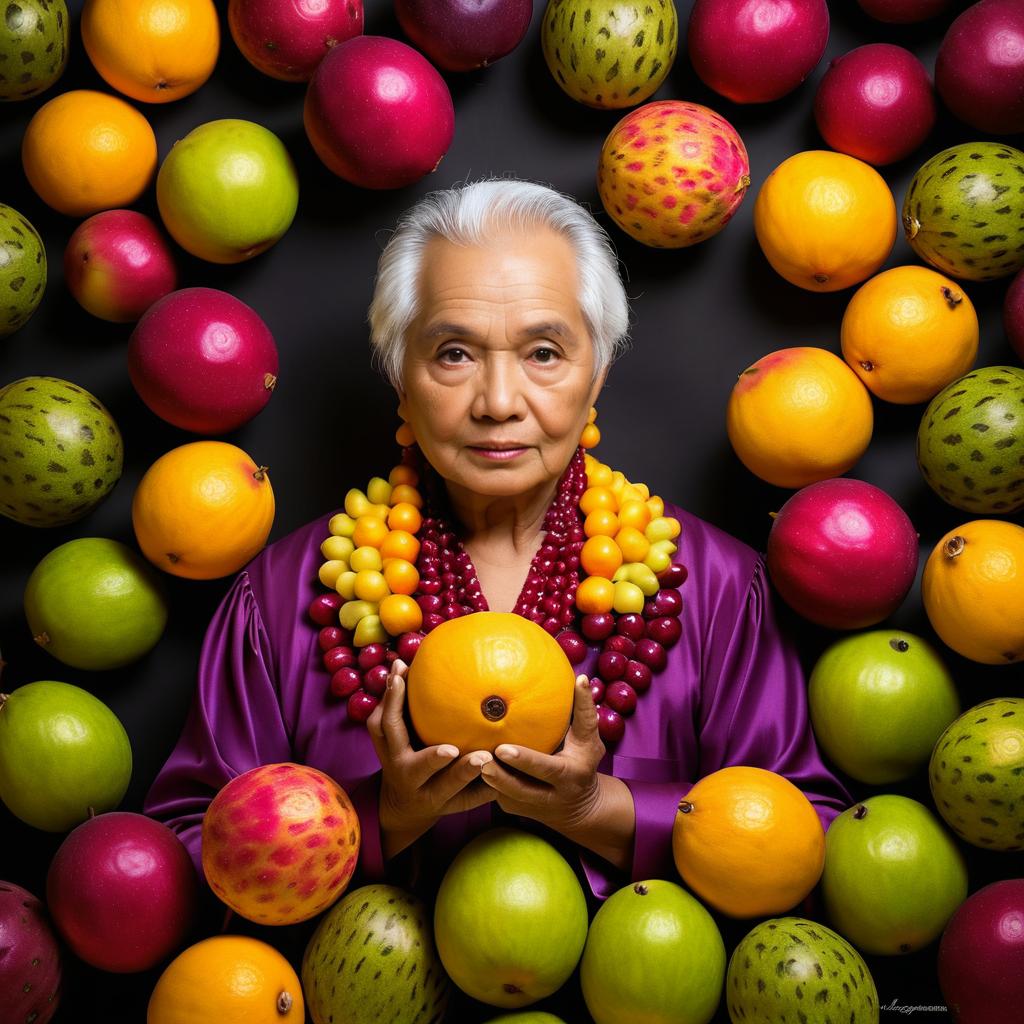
x: 879, y: 701
x: 654, y: 953
x: 893, y: 875
x: 96, y: 604
x: 228, y: 190
x: 510, y: 919
x: 63, y: 754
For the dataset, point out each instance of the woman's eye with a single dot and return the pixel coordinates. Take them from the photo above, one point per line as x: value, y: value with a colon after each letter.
x: 545, y: 355
x: 453, y: 355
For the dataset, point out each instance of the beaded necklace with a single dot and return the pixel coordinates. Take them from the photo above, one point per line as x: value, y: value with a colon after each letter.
x: 395, y: 569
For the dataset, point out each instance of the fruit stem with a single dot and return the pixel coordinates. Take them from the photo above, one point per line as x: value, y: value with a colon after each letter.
x: 867, y: 365
x: 953, y: 299
x: 42, y: 638
x: 774, y: 515
x: 954, y: 546
x: 269, y: 381
x: 4, y: 698
x: 685, y: 806
x: 911, y: 225
x: 742, y: 183
x: 284, y: 1002
x: 92, y: 811
x: 260, y: 473
x: 861, y: 812
x: 640, y: 889
x: 821, y: 278
x: 494, y: 708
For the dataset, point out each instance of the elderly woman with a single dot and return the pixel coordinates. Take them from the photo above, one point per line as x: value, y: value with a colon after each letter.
x: 497, y: 312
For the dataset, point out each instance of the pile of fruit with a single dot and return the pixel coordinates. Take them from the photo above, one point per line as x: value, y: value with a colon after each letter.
x: 511, y: 924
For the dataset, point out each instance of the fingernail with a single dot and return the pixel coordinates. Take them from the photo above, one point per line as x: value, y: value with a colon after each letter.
x: 507, y: 753
x: 479, y: 760
x: 447, y: 751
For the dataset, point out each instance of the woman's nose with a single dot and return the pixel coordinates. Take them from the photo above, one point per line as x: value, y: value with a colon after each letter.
x: 499, y: 396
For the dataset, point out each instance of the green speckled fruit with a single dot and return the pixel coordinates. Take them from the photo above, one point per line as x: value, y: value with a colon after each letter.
x: 977, y: 774
x: 33, y: 46
x: 22, y: 270
x: 609, y: 53
x: 789, y: 968
x: 60, y: 451
x: 970, y: 444
x: 964, y: 211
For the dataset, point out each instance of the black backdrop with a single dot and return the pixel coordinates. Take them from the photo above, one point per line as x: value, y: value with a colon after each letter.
x: 701, y: 316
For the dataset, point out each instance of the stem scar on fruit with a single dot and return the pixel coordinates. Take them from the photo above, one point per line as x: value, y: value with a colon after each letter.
x: 954, y: 546
x: 685, y: 806
x: 640, y: 889
x: 284, y: 1002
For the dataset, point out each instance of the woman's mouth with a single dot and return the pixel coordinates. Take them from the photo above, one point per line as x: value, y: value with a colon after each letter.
x: 503, y: 454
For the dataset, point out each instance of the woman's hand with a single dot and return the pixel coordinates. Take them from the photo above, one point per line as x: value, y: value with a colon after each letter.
x: 565, y: 791
x: 419, y: 786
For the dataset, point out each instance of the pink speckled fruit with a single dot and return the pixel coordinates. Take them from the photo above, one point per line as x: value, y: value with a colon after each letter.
x: 280, y: 843
x: 672, y: 173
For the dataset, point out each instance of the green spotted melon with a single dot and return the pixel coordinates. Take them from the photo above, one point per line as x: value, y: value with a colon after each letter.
x: 609, y: 54
x: 22, y: 270
x: 60, y: 451
x: 33, y: 46
x: 970, y: 443
x: 792, y: 969
x: 964, y: 211
x: 976, y: 774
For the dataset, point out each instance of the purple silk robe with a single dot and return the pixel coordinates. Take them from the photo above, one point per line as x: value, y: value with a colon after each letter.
x: 733, y: 693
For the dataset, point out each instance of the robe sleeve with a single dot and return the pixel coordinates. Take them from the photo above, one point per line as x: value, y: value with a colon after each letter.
x: 753, y: 711
x: 236, y: 723
x: 754, y: 702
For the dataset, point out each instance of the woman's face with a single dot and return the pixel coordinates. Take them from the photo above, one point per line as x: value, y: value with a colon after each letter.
x: 498, y: 370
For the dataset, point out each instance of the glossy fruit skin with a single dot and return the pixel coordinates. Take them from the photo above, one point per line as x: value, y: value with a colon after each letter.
x: 231, y: 979
x: 908, y: 332
x: 875, y: 103
x: 31, y: 969
x: 94, y: 603
x: 122, y: 891
x: 824, y: 220
x: 799, y: 415
x: 113, y: 174
x: 374, y: 928
x: 280, y: 843
x: 967, y: 440
x: 974, y: 774
x: 287, y: 40
x: 22, y: 270
x: 981, y: 955
x: 973, y: 590
x: 371, y: 136
x: 842, y: 553
x: 755, y: 53
x: 878, y: 702
x: 510, y: 918
x: 497, y: 657
x: 1013, y: 314
x: 40, y: 29
x: 979, y: 70
x: 203, y: 510
x: 611, y: 54
x: 903, y: 12
x: 461, y: 36
x: 748, y: 842
x: 62, y: 754
x: 117, y: 264
x: 216, y: 211
x: 964, y: 211
x: 155, y: 51
x: 710, y: 173
x: 783, y: 964
x: 653, y: 953
x: 893, y: 875
x: 203, y: 360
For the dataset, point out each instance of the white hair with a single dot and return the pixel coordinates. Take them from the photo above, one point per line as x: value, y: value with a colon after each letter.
x: 467, y: 215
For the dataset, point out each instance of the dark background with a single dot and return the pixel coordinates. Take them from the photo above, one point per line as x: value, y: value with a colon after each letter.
x: 701, y: 316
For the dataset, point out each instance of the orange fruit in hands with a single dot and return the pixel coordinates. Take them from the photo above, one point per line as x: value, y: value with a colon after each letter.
x: 489, y: 678
x: 748, y: 842
x: 231, y: 979
x: 908, y: 333
x: 973, y: 591
x: 825, y: 220
x: 799, y: 415
x: 85, y: 151
x: 152, y: 50
x: 203, y: 510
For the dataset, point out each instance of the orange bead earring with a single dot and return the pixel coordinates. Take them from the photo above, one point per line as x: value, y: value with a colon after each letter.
x: 405, y: 436
x: 591, y: 436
